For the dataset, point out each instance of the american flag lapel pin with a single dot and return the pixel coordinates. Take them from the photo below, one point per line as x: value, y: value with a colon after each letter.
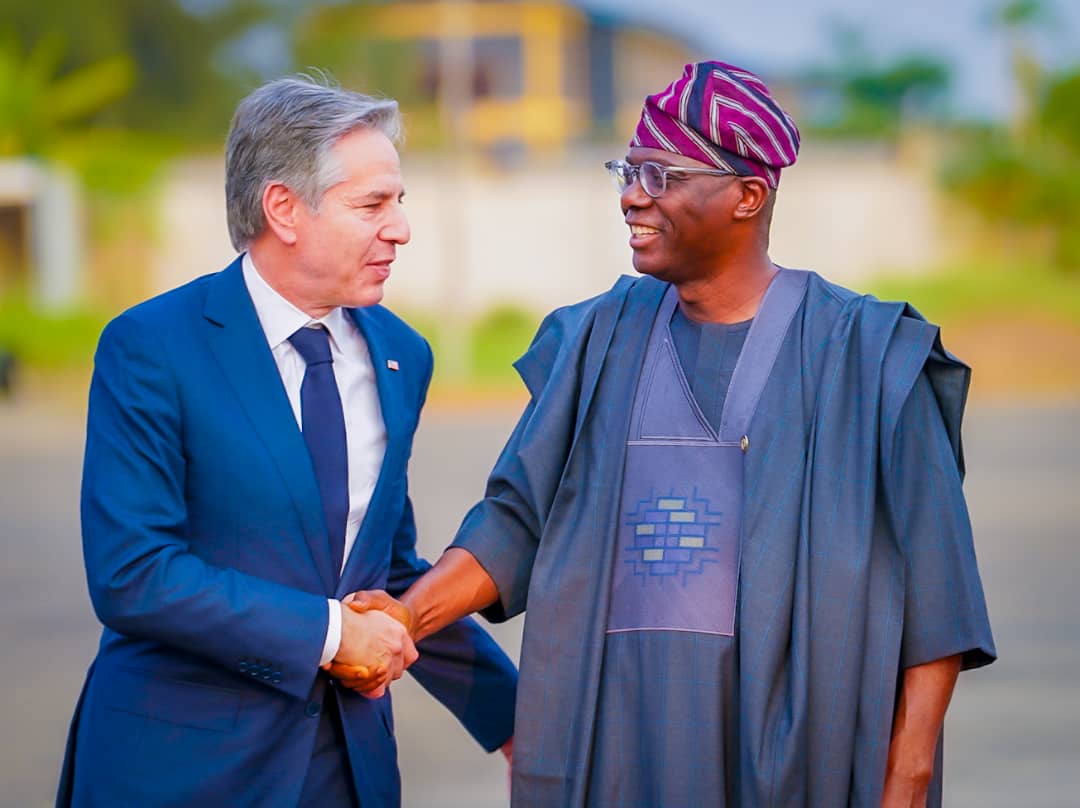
x: 393, y: 364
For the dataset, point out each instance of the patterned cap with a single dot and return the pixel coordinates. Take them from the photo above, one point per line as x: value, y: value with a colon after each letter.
x: 724, y: 116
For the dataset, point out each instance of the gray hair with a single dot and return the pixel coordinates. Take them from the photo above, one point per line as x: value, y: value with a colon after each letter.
x: 283, y: 132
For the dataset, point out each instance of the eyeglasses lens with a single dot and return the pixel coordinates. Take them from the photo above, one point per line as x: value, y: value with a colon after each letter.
x: 652, y: 178
x: 621, y: 173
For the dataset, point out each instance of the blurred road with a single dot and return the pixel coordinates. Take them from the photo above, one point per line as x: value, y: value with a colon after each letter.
x: 1013, y: 732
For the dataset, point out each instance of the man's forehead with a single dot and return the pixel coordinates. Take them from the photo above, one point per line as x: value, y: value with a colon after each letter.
x: 373, y: 186
x: 366, y: 149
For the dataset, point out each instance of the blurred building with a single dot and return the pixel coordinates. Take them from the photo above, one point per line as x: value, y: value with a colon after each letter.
x: 505, y: 77
x: 550, y: 91
x: 549, y: 232
x: 40, y: 237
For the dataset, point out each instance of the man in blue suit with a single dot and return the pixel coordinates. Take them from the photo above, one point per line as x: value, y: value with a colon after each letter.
x: 245, y: 468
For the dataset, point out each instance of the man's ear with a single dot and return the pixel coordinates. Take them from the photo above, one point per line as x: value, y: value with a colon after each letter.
x: 755, y: 193
x: 281, y: 211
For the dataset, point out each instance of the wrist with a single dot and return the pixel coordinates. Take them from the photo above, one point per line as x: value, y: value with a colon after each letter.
x: 911, y: 766
x: 332, y: 641
x: 413, y: 602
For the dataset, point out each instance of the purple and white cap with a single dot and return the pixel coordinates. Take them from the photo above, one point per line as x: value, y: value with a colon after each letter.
x: 724, y: 116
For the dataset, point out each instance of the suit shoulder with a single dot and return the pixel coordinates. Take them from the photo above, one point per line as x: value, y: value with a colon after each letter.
x: 398, y: 330
x: 161, y: 313
x: 181, y: 299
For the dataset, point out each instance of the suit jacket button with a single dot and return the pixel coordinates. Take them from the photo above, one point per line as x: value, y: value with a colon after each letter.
x: 243, y: 667
x: 313, y: 709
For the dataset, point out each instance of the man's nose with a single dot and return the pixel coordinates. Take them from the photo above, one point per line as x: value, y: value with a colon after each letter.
x: 634, y: 196
x: 397, y: 229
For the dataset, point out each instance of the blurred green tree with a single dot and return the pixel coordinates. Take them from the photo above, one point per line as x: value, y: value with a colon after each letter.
x: 38, y: 106
x: 1028, y: 180
x: 184, y: 84
x: 1024, y: 178
x: 879, y: 101
x: 115, y: 88
x: 863, y: 96
x: 49, y: 112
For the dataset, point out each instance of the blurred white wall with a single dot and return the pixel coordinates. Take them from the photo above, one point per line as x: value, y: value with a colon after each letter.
x: 850, y: 210
x: 551, y: 233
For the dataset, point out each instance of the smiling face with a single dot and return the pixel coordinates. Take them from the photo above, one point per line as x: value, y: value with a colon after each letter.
x: 685, y: 234
x: 343, y: 249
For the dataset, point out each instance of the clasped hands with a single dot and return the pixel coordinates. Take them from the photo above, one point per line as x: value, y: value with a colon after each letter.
x: 376, y: 643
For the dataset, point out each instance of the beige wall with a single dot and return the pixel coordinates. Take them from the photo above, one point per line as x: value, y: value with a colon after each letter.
x: 550, y: 234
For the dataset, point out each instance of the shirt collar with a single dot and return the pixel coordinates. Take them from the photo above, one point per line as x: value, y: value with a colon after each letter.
x: 279, y: 318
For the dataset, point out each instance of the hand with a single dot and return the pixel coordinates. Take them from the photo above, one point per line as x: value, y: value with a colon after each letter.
x: 375, y: 650
x: 367, y: 600
x: 365, y: 679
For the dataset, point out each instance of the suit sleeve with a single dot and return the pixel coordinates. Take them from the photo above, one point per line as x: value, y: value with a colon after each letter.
x: 944, y: 608
x: 461, y: 666
x: 144, y: 581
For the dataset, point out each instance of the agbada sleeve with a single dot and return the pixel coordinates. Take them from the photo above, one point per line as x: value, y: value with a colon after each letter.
x: 461, y: 666
x: 503, y: 530
x: 944, y: 606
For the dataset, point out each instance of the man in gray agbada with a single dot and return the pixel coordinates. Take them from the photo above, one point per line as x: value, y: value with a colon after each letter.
x: 732, y: 507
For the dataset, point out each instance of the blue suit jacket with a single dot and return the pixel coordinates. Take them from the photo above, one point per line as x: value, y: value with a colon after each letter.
x: 208, y: 563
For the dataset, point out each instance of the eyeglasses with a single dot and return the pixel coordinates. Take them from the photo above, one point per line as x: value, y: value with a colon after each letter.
x: 653, y: 176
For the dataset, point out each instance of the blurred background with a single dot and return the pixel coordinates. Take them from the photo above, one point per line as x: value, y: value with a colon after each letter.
x: 940, y: 164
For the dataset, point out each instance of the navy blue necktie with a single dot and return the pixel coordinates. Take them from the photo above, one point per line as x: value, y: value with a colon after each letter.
x: 324, y: 433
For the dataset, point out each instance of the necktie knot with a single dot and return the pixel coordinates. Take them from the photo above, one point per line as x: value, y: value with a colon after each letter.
x: 313, y: 345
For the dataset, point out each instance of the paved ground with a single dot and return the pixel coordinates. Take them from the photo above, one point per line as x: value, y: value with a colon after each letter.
x: 1013, y: 734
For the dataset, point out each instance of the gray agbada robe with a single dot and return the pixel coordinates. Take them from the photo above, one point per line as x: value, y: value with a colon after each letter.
x: 857, y: 561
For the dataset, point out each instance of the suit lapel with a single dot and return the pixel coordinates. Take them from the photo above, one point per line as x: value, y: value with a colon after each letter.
x: 238, y: 342
x: 366, y: 551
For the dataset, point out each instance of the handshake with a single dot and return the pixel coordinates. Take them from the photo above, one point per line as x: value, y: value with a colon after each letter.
x: 376, y: 643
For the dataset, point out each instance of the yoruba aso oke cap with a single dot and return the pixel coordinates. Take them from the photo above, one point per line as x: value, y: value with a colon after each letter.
x: 724, y: 116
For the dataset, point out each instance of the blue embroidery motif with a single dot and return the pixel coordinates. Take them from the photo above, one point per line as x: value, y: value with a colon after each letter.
x: 671, y: 536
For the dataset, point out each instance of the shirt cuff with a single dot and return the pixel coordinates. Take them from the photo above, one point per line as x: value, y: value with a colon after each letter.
x: 333, y: 633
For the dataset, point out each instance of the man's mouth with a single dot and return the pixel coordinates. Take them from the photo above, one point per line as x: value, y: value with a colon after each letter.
x: 641, y: 235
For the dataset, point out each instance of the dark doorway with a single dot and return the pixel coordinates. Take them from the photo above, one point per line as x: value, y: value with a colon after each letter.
x: 14, y: 245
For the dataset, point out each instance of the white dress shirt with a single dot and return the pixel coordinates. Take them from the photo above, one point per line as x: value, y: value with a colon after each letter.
x: 365, y: 432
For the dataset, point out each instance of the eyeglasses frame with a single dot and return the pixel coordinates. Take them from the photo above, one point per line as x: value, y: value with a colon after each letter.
x: 634, y: 170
